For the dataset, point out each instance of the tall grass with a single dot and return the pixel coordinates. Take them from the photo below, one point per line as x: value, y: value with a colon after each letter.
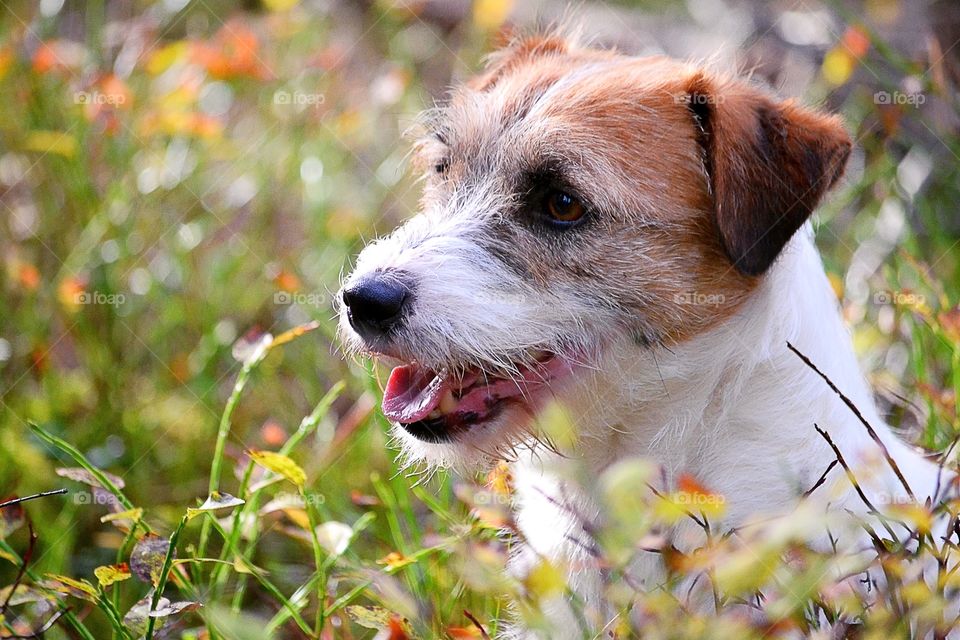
x: 181, y: 190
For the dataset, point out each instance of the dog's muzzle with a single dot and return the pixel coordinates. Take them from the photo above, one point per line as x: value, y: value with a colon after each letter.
x: 375, y: 304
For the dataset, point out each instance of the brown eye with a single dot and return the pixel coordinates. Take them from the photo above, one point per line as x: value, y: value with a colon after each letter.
x: 563, y: 207
x: 441, y: 167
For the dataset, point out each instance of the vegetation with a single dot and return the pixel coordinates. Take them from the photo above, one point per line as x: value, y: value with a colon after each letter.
x: 182, y: 185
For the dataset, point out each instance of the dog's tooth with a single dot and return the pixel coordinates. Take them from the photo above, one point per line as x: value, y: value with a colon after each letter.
x: 448, y: 403
x: 435, y: 414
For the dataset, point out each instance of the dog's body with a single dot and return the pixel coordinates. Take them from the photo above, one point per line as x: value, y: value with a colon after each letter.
x: 623, y: 237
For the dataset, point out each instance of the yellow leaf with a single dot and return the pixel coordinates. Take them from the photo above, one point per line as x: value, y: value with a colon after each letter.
x: 242, y: 566
x: 281, y: 464
x: 545, y: 580
x: 109, y: 574
x: 70, y: 587
x: 837, y: 284
x: 914, y: 514
x: 134, y: 515
x: 57, y: 142
x: 280, y: 5
x: 838, y: 66
x: 916, y: 593
x: 557, y: 426
x: 394, y: 560
x: 6, y: 60
x: 163, y: 58
x: 299, y: 517
x: 294, y: 333
x: 500, y: 480
x: 490, y: 14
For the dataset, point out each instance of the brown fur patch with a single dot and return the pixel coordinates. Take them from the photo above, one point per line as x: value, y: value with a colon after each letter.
x: 679, y: 195
x: 769, y: 165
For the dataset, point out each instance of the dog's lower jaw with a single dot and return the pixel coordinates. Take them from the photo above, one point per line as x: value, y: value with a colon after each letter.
x: 734, y: 407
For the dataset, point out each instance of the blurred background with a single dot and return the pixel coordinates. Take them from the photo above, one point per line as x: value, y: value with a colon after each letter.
x: 178, y: 177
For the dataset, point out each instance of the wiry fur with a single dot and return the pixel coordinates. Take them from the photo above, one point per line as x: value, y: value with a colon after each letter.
x: 683, y: 355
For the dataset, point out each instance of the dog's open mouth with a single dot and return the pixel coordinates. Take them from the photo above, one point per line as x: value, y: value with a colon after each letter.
x: 436, y: 405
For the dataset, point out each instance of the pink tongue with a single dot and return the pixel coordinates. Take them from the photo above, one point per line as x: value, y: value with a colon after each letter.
x: 412, y: 393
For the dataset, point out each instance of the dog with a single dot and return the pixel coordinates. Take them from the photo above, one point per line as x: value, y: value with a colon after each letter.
x: 627, y: 239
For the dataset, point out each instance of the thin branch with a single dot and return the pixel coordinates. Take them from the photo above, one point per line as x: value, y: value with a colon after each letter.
x: 24, y: 562
x: 16, y: 501
x: 843, y: 463
x: 873, y: 434
x: 483, y: 632
x: 823, y: 478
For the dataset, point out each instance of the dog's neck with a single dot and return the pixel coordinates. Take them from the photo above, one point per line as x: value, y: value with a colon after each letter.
x: 737, y: 395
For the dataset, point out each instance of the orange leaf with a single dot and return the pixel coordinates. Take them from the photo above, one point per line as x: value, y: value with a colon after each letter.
x: 688, y: 484
x: 857, y: 41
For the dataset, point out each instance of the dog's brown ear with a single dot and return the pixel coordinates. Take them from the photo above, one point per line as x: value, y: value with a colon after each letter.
x: 768, y: 163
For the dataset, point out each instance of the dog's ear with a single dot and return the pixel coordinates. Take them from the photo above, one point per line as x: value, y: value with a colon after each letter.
x: 768, y: 164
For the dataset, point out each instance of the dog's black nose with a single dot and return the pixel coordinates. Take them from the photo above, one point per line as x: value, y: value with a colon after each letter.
x: 375, y: 303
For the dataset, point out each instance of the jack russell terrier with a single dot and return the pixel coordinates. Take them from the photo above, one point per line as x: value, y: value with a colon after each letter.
x: 627, y: 239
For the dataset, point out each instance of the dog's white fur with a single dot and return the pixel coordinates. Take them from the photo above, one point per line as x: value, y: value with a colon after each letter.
x: 733, y: 405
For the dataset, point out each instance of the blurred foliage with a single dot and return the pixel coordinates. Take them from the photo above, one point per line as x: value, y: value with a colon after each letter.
x: 180, y: 182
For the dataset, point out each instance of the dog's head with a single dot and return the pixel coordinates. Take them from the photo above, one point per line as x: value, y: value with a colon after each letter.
x: 579, y: 204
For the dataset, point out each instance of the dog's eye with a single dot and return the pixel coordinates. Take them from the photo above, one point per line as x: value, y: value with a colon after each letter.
x: 563, y: 207
x: 441, y: 167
